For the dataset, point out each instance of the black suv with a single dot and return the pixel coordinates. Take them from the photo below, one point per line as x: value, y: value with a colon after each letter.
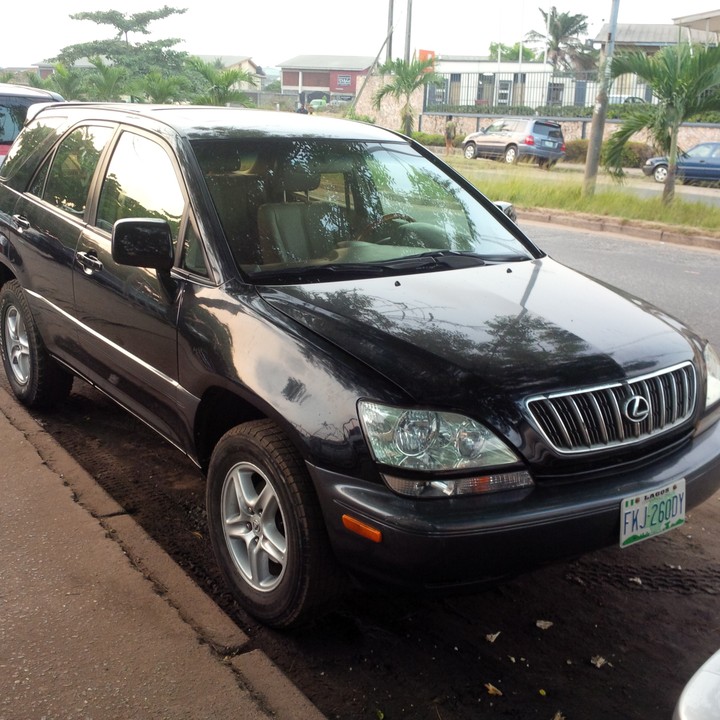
x: 379, y: 373
x: 14, y: 103
x: 515, y: 139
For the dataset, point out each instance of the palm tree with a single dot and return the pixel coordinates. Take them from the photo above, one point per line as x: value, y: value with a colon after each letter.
x: 106, y: 82
x: 685, y: 80
x: 162, y: 90
x: 406, y: 78
x: 67, y: 81
x: 565, y: 50
x: 222, y: 83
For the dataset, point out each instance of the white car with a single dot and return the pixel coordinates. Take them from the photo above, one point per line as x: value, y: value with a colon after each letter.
x: 700, y: 699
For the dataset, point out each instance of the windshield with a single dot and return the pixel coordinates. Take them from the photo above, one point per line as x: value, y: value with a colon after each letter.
x: 296, y: 208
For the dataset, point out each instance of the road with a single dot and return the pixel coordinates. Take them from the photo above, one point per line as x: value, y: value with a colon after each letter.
x: 612, y: 635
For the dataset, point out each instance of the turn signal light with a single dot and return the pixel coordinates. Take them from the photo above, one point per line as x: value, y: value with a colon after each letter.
x: 362, y: 529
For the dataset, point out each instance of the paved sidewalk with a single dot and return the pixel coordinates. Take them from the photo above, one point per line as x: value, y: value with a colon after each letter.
x: 96, y: 621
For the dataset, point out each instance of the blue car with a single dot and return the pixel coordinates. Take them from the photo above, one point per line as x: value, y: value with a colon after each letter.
x: 699, y: 164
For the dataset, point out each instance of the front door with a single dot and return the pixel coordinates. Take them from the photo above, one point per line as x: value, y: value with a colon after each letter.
x: 128, y: 315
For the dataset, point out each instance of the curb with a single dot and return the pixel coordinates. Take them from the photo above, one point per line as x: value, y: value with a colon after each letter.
x: 211, y: 625
x: 619, y: 227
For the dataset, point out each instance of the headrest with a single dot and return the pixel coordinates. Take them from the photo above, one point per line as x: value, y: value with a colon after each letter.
x: 297, y: 180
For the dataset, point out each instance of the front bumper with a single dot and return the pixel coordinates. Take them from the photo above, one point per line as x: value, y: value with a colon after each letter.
x: 469, y: 541
x: 648, y: 169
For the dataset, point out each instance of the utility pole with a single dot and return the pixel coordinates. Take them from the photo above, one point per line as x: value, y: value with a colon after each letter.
x: 388, y: 53
x: 597, y: 126
x: 407, y: 32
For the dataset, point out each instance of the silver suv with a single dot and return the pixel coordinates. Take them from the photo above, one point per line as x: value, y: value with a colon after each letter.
x: 14, y: 102
x: 513, y: 139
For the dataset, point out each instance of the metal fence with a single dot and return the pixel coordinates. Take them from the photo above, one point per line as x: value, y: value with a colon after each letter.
x: 528, y: 92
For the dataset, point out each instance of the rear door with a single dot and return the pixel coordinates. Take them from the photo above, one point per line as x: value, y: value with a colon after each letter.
x: 49, y: 218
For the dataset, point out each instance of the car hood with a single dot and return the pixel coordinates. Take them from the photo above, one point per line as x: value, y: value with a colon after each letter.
x: 461, y: 337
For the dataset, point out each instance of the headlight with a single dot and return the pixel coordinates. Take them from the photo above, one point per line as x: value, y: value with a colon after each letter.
x: 421, y: 440
x: 712, y: 364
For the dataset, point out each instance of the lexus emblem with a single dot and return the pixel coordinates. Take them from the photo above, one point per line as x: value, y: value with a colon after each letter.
x: 636, y: 409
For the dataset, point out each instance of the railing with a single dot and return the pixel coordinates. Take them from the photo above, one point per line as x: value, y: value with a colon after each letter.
x: 527, y: 93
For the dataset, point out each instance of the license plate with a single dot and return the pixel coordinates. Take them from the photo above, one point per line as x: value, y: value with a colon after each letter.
x: 648, y: 514
x: 548, y: 143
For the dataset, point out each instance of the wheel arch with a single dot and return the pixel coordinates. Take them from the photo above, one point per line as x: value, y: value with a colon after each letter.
x: 220, y: 410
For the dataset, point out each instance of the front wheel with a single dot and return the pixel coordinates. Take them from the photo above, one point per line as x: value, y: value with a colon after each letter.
x: 660, y: 173
x: 266, y: 526
x: 35, y: 377
x: 469, y: 151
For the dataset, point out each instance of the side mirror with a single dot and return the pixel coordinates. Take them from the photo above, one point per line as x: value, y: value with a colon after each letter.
x: 143, y: 242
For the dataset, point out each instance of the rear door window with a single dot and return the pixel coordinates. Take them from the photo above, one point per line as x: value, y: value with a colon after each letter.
x: 67, y: 182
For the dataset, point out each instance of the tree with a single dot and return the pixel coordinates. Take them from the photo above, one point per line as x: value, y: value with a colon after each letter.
x: 221, y: 84
x: 106, y: 83
x: 139, y: 58
x: 565, y: 50
x: 68, y: 82
x: 685, y: 80
x: 156, y: 88
x: 125, y: 23
x: 510, y: 53
x: 406, y: 78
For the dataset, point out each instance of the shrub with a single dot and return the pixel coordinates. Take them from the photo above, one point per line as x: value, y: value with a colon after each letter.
x: 634, y: 154
x: 576, y: 151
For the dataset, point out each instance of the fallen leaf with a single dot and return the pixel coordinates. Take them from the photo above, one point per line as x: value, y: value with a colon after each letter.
x: 544, y: 624
x: 636, y: 580
x: 542, y: 692
x: 492, y: 690
x: 492, y: 637
x: 558, y: 716
x: 598, y: 661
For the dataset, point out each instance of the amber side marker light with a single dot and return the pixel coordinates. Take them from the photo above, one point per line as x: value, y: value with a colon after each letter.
x: 362, y: 529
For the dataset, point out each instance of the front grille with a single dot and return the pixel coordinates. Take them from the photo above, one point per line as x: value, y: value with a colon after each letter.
x: 607, y: 416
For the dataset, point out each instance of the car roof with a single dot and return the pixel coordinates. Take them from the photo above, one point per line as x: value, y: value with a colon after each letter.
x: 28, y: 92
x: 198, y: 122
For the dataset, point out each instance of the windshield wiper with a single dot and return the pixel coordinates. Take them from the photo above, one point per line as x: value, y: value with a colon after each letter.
x: 309, y: 273
x: 433, y: 260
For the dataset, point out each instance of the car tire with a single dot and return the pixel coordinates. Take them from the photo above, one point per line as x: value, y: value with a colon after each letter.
x: 660, y: 173
x: 36, y: 379
x: 266, y: 527
x: 469, y: 151
x: 511, y: 154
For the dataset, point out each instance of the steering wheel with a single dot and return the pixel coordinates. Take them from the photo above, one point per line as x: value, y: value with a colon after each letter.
x: 374, y: 225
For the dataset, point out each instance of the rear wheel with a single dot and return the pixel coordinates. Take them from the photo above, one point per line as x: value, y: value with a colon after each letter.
x: 511, y: 154
x: 266, y: 526
x: 35, y: 377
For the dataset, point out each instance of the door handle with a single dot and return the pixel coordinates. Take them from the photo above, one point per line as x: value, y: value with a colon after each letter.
x: 89, y: 262
x: 22, y: 221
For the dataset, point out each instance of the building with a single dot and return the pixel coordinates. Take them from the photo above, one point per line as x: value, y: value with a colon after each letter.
x: 331, y: 77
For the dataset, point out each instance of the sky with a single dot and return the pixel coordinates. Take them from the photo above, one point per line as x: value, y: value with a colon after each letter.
x: 273, y: 31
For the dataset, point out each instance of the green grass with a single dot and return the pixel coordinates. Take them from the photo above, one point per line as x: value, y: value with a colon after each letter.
x: 529, y: 187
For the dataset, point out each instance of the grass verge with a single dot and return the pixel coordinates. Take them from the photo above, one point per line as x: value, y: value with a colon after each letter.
x: 529, y: 187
